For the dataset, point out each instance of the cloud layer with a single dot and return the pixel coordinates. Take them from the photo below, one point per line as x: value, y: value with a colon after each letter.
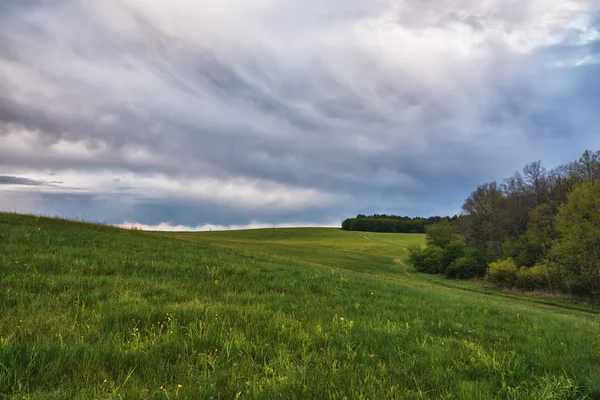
x: 261, y: 111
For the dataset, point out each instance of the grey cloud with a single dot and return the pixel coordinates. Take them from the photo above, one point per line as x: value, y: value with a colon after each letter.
x: 329, y: 113
x: 13, y: 180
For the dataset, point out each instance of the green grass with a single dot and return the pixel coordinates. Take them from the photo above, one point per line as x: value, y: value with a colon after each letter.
x: 88, y: 311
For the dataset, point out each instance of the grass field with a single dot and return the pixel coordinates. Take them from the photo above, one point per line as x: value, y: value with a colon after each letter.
x: 94, y: 312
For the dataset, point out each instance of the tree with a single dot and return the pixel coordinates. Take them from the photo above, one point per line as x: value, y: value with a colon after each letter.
x: 539, y: 236
x: 587, y: 168
x: 441, y: 234
x: 485, y: 209
x: 536, y: 182
x: 577, y: 251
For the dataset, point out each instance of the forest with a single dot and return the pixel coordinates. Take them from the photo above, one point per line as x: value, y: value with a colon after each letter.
x: 538, y: 229
x: 391, y: 223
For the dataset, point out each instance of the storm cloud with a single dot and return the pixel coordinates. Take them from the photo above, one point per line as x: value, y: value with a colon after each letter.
x: 250, y: 112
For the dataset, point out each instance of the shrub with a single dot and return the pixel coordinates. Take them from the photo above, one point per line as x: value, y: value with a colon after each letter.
x: 452, y: 252
x: 459, y: 267
x: 472, y: 264
x: 530, y: 278
x: 415, y: 253
x: 428, y: 259
x: 462, y: 268
x: 560, y: 278
x: 502, y: 272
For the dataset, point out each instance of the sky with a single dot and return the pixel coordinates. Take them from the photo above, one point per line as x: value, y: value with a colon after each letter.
x: 217, y: 114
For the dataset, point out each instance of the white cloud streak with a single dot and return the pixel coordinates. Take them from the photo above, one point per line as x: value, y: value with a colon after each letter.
x: 167, y: 227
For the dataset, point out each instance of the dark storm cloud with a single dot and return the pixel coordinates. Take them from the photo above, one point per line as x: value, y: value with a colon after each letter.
x: 13, y: 180
x: 398, y: 107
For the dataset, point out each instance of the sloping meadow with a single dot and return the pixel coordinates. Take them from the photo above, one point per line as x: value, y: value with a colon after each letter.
x: 89, y: 311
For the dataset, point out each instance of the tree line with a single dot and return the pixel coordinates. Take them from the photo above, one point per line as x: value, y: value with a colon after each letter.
x: 538, y: 229
x: 390, y: 223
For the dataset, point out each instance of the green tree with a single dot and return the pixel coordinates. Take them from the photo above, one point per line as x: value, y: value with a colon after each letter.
x: 486, y: 215
x: 577, y: 251
x: 587, y: 168
x: 539, y: 236
x: 441, y: 234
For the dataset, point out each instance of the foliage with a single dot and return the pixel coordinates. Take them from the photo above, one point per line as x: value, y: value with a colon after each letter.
x: 542, y: 220
x: 461, y: 268
x: 485, y: 229
x: 428, y: 259
x: 414, y: 252
x: 416, y: 225
x: 578, y: 226
x: 455, y: 260
x: 441, y: 234
x: 540, y: 216
x: 471, y: 265
x: 495, y: 212
x: 385, y: 225
x: 452, y: 251
x: 390, y: 223
x: 536, y: 277
x: 539, y: 236
x: 502, y: 273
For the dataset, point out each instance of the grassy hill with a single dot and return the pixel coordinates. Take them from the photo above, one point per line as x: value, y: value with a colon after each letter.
x: 89, y: 311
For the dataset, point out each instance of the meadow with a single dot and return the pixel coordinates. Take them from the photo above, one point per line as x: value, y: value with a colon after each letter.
x: 95, y: 312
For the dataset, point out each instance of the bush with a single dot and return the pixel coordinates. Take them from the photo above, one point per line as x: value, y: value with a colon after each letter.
x: 472, y: 263
x: 415, y: 254
x: 462, y: 268
x: 531, y: 278
x: 428, y: 259
x: 502, y: 272
x: 559, y: 278
x: 459, y: 268
x: 452, y: 251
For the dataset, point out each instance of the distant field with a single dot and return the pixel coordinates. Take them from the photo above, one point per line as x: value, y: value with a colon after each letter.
x: 90, y: 312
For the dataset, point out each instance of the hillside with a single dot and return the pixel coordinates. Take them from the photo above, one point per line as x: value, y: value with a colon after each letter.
x: 89, y: 311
